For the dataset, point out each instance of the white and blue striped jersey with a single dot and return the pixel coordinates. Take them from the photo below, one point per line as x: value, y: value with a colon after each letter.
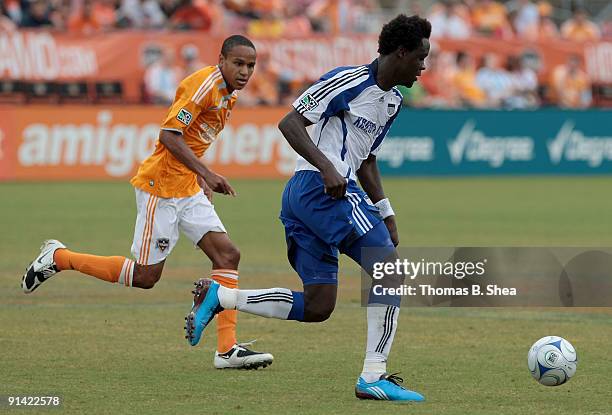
x: 352, y: 116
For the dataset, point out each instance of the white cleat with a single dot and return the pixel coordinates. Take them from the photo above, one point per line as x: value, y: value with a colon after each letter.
x: 42, y: 268
x: 239, y: 357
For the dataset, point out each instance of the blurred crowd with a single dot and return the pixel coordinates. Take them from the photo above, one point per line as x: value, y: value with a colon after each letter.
x: 272, y: 18
x: 452, y: 79
x: 166, y: 68
x: 458, y: 80
x: 522, y: 19
x: 529, y: 19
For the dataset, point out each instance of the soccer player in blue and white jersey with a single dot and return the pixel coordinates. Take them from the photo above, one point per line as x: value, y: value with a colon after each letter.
x: 325, y: 212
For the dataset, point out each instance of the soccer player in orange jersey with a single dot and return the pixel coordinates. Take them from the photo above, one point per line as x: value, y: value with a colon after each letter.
x: 173, y: 187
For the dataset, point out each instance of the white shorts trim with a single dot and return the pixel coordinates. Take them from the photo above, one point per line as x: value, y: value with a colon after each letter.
x: 159, y: 220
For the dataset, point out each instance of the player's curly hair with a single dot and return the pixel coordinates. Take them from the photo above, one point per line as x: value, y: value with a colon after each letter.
x: 403, y: 31
x: 233, y: 41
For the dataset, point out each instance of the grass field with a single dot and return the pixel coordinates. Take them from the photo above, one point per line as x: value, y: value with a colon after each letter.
x: 110, y: 350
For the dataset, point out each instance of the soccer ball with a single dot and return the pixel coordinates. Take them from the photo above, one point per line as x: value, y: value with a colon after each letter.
x: 552, y: 360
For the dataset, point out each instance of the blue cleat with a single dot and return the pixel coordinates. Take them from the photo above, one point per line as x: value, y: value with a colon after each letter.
x: 205, y: 306
x: 387, y: 388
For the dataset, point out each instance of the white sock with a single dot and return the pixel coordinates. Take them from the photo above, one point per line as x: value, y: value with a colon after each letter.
x: 382, y: 324
x: 127, y: 273
x: 227, y: 297
x: 271, y: 302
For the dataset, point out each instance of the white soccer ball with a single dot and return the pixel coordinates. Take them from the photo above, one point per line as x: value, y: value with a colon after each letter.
x: 552, y: 360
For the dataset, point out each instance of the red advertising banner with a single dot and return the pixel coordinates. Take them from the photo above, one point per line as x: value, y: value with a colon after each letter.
x: 124, y: 56
x: 84, y: 143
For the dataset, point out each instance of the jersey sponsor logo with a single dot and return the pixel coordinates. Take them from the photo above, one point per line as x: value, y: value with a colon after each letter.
x: 207, y: 133
x: 369, y: 127
x: 309, y: 102
x: 184, y: 116
x: 162, y: 244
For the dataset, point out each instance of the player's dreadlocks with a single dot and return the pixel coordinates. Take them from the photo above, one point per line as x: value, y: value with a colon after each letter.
x: 233, y: 41
x: 403, y: 31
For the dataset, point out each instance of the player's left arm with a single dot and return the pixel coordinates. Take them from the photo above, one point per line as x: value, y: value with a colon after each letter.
x: 369, y: 178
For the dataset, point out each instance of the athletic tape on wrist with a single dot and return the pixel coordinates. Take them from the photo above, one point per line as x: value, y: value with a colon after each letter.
x: 384, y: 207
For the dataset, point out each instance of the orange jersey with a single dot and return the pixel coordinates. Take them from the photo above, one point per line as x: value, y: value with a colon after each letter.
x: 200, y: 109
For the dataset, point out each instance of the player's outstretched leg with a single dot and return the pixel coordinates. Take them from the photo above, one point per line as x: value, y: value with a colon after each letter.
x: 211, y: 298
x: 54, y: 257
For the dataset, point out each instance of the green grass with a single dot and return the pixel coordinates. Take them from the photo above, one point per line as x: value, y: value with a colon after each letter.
x: 107, y: 349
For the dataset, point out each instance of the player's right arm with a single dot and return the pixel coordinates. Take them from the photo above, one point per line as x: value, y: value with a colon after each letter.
x: 293, y: 126
x: 174, y: 142
x: 191, y: 99
x: 327, y: 98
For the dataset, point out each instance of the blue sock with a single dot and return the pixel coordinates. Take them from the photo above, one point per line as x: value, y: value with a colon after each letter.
x: 297, y: 309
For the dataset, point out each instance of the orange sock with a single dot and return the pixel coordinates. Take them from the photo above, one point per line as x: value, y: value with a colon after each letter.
x: 108, y: 268
x: 226, y: 320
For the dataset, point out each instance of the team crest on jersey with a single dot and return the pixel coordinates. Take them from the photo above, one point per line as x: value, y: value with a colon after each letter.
x: 184, y: 116
x: 390, y: 109
x: 309, y: 102
x: 162, y: 244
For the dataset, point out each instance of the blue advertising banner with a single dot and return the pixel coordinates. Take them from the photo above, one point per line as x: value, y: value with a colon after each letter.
x: 441, y: 142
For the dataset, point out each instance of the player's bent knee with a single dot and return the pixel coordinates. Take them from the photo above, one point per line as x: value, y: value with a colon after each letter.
x: 147, y: 283
x: 146, y: 276
x: 319, y: 302
x: 318, y: 313
x: 316, y: 316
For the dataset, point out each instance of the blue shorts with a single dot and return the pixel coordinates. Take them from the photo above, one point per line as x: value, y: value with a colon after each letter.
x: 317, y: 226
